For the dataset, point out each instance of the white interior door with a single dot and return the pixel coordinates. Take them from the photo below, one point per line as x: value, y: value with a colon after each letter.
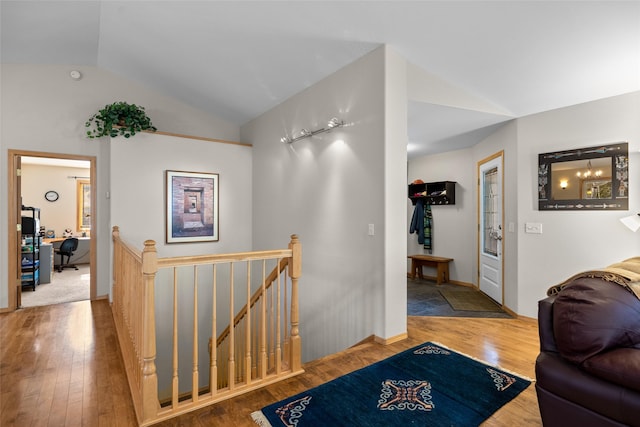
x: 490, y: 226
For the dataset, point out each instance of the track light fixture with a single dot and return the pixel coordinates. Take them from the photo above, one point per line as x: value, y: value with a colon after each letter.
x: 334, y: 123
x: 305, y: 133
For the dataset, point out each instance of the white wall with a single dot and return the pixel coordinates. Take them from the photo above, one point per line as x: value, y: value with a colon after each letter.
x: 328, y: 192
x: 44, y: 110
x: 58, y: 215
x: 393, y: 323
x: 138, y: 195
x: 573, y: 241
x: 428, y: 88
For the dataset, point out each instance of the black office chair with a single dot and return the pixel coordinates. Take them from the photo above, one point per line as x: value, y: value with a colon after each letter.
x: 67, y: 248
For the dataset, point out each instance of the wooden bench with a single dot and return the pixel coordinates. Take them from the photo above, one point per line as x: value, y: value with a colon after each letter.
x: 439, y: 263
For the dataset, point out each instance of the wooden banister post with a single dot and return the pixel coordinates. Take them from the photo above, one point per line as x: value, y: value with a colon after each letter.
x: 150, y: 403
x: 295, y: 270
x: 115, y: 286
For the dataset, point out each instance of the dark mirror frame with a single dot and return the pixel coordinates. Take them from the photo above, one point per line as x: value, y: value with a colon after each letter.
x: 619, y: 156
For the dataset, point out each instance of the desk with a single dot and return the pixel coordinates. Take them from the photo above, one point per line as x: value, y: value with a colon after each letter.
x: 53, y: 239
x: 440, y: 263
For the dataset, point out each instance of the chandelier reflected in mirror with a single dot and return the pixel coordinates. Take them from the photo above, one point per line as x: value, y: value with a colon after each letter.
x: 589, y: 172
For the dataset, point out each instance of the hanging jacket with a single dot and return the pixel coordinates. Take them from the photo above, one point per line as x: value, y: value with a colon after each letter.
x: 417, y: 221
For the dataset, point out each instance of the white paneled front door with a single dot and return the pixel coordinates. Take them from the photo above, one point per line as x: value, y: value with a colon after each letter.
x: 490, y: 207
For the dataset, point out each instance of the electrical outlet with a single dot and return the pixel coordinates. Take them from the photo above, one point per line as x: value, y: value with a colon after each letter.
x: 371, y: 230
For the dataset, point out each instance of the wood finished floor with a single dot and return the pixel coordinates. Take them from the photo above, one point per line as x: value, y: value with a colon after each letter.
x: 61, y: 366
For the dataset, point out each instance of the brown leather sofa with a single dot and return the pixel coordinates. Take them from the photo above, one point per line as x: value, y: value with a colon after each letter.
x: 588, y: 369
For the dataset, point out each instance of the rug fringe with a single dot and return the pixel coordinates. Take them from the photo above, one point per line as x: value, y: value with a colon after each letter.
x: 260, y: 419
x: 485, y: 362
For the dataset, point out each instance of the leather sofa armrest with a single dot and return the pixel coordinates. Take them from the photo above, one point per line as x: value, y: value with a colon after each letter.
x: 545, y: 324
x: 620, y: 366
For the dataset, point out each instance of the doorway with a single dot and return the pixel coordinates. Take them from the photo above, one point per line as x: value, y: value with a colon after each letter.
x: 58, y: 194
x: 490, y: 220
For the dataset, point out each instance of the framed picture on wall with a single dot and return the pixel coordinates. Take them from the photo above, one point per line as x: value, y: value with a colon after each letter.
x: 191, y: 207
x: 591, y: 178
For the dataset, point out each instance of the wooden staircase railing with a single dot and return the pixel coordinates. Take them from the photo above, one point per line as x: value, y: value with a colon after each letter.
x: 260, y: 344
x: 261, y: 354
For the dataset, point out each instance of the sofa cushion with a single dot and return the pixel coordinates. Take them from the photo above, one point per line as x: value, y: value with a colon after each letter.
x: 620, y: 366
x: 591, y: 316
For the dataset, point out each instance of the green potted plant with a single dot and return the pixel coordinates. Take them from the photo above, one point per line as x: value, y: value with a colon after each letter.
x: 119, y: 118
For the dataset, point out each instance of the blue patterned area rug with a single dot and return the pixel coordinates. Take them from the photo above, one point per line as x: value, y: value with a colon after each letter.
x: 428, y: 385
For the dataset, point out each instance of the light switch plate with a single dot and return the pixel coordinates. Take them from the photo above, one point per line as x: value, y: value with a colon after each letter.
x: 533, y: 227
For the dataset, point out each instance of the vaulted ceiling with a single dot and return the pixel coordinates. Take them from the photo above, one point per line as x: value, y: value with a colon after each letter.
x: 238, y: 59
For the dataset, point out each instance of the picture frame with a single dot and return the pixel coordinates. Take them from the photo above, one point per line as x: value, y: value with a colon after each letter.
x: 591, y: 178
x: 192, y: 207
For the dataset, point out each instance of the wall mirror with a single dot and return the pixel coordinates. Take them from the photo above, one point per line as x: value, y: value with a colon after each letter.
x: 594, y: 178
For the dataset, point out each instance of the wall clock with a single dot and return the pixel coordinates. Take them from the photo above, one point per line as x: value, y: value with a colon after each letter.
x: 51, y: 196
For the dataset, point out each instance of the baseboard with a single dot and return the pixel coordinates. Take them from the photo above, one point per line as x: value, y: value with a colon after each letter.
x: 465, y: 284
x: 452, y: 282
x: 521, y: 317
x: 387, y: 341
x: 370, y: 338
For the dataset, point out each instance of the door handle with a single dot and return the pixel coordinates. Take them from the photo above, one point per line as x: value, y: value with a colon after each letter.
x: 496, y: 234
